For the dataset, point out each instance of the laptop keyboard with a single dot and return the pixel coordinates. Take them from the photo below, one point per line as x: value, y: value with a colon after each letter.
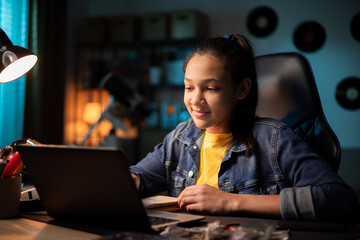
x: 160, y: 220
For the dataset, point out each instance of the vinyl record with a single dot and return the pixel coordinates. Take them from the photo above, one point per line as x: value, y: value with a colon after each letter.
x: 309, y: 36
x: 262, y: 21
x: 355, y: 26
x: 348, y: 93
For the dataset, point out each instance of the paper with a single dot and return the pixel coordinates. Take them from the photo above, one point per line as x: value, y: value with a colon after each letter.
x: 164, y: 203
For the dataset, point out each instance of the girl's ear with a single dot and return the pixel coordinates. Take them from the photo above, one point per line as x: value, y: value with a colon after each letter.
x: 243, y: 88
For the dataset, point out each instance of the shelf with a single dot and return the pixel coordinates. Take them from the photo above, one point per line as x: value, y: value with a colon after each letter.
x: 143, y: 43
x: 94, y: 60
x: 171, y: 42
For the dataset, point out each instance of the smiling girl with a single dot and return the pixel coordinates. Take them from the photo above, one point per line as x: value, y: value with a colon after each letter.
x: 226, y: 161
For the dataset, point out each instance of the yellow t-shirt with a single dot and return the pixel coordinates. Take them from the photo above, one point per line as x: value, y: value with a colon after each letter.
x: 213, y: 150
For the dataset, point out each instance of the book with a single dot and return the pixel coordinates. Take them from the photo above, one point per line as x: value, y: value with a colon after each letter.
x: 161, y: 203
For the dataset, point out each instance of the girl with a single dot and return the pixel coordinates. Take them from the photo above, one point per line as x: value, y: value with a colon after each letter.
x: 224, y: 160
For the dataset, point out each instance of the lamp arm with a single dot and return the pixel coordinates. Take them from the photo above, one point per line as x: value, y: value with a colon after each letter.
x: 4, y: 39
x: 116, y: 122
x: 90, y: 130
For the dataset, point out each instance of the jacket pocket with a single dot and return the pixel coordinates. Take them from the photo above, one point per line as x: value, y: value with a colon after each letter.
x: 178, y: 180
x: 260, y: 188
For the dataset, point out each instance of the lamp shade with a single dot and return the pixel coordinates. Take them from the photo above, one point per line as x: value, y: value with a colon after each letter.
x: 92, y: 112
x: 15, y: 60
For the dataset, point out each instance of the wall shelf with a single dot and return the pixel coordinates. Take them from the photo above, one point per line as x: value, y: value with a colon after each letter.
x: 135, y: 63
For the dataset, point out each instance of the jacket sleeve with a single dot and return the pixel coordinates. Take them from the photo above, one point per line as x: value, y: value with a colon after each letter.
x: 151, y: 170
x: 315, y: 191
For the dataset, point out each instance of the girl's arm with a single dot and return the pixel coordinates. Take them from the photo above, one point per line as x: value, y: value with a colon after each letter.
x: 206, y: 199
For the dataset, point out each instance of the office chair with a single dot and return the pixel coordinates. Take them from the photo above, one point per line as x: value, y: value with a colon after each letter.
x: 288, y: 92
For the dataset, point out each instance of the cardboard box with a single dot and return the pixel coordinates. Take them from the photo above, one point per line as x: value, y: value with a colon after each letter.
x: 155, y: 26
x: 174, y: 72
x: 94, y: 30
x: 124, y: 28
x: 187, y: 24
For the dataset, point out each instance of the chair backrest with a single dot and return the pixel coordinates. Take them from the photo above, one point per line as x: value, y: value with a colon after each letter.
x: 288, y: 92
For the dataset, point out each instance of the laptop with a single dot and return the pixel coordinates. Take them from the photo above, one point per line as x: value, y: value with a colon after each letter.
x: 92, y: 186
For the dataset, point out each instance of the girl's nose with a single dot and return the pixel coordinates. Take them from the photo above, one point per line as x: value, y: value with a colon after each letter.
x: 197, y: 98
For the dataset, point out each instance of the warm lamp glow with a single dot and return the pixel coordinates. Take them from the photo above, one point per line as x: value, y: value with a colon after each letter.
x: 92, y: 112
x: 18, y: 68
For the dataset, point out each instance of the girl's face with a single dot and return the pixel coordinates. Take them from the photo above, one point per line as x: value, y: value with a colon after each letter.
x: 210, y: 96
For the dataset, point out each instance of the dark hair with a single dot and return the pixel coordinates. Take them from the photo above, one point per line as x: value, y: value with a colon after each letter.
x: 238, y: 56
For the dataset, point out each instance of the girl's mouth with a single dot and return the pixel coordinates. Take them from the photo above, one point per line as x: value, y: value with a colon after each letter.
x: 199, y: 114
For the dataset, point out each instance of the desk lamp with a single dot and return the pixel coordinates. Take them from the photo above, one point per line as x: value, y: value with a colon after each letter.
x: 15, y: 60
x: 123, y: 100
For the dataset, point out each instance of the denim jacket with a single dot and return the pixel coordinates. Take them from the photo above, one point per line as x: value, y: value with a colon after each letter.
x: 280, y: 163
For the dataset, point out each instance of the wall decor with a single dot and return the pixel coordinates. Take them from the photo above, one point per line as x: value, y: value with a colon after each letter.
x: 348, y: 93
x: 355, y: 26
x: 309, y: 36
x: 262, y: 21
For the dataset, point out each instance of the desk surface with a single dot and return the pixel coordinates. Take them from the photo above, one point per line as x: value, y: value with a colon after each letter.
x: 299, y: 230
x: 26, y: 229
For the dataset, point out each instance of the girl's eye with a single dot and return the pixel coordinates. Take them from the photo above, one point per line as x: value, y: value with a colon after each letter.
x: 211, y: 89
x: 188, y: 88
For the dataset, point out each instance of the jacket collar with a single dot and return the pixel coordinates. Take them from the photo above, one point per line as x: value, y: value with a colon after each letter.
x: 191, y: 134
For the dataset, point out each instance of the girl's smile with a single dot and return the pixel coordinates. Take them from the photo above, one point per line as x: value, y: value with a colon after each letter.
x: 199, y: 114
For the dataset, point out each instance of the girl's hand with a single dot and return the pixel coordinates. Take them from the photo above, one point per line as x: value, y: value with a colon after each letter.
x: 205, y: 199
x: 136, y: 180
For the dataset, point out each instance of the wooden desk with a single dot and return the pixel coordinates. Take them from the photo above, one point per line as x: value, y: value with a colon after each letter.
x: 26, y: 229
x: 299, y: 230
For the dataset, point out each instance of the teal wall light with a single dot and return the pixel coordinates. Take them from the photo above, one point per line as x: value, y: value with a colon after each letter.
x: 15, y: 60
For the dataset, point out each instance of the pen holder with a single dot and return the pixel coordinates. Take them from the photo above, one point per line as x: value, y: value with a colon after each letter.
x: 10, y: 192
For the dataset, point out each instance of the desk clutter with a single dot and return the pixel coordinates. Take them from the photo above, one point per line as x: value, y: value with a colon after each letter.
x: 10, y: 160
x: 215, y: 230
x: 10, y: 188
x: 11, y: 180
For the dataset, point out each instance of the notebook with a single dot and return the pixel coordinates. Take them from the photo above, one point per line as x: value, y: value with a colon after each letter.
x: 91, y: 185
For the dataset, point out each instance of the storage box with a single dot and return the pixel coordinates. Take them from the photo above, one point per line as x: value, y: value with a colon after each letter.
x: 124, y: 28
x: 94, y: 30
x: 155, y: 26
x: 189, y: 24
x: 174, y: 72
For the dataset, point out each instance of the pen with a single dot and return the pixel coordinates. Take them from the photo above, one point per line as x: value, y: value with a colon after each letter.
x: 6, y: 152
x: 18, y: 169
x: 13, y: 166
x: 2, y: 165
